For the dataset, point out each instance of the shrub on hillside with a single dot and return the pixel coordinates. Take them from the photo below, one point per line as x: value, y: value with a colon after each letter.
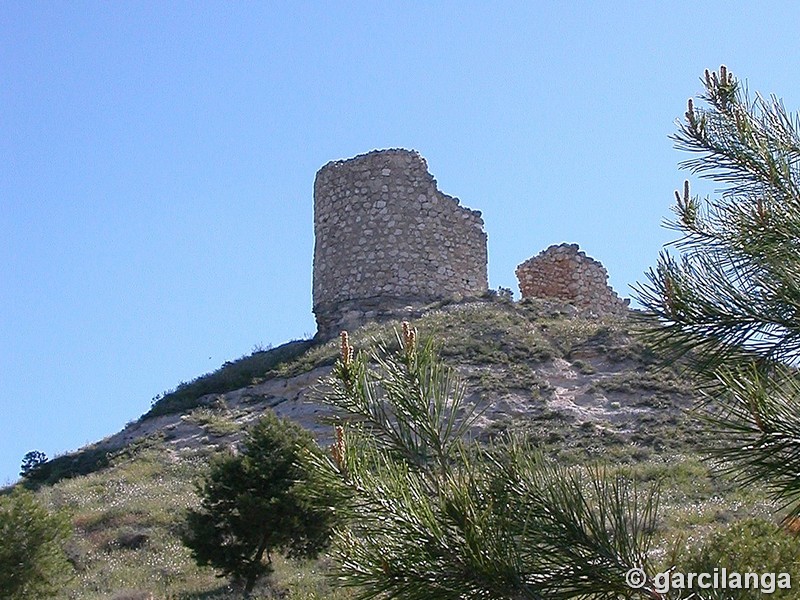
x: 31, y: 461
x: 749, y: 546
x: 258, y: 502
x: 32, y: 560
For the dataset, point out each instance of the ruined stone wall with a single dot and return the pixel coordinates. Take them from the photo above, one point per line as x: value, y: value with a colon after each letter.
x: 386, y: 238
x: 565, y: 273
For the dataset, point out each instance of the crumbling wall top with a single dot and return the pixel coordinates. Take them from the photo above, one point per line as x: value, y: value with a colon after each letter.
x: 563, y: 272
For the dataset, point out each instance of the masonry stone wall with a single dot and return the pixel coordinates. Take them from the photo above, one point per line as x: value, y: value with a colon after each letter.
x: 386, y: 238
x: 563, y: 272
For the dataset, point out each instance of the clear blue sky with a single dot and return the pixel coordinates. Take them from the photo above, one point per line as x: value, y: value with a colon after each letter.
x: 158, y: 161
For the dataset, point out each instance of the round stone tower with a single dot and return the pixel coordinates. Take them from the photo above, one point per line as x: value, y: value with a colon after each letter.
x: 387, y: 238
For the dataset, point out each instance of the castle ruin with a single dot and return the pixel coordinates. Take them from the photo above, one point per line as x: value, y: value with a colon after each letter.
x: 387, y: 238
x: 388, y: 243
x: 563, y: 272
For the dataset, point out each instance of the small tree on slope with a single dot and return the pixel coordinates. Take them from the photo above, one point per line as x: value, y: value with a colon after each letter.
x: 257, y: 503
x: 32, y: 560
x: 31, y: 461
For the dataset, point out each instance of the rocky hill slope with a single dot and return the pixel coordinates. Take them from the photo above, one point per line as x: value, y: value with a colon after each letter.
x: 583, y: 388
x: 570, y: 379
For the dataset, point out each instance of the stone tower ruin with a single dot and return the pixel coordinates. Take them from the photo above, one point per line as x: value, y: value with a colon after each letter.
x: 563, y: 272
x: 386, y: 238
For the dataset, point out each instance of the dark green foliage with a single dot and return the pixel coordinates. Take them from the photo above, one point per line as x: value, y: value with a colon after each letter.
x: 733, y: 295
x: 231, y: 376
x: 752, y: 545
x: 31, y: 461
x: 32, y: 560
x: 729, y: 304
x: 757, y: 424
x: 82, y: 462
x: 257, y: 503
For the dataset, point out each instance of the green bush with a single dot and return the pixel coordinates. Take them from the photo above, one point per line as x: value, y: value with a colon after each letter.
x: 752, y: 545
x: 32, y: 560
x: 258, y: 502
x: 428, y: 515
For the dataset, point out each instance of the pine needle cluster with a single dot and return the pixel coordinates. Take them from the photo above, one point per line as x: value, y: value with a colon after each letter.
x: 728, y: 304
x: 428, y: 514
